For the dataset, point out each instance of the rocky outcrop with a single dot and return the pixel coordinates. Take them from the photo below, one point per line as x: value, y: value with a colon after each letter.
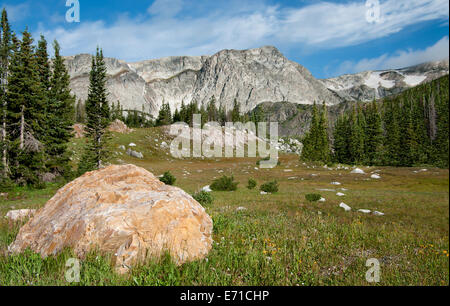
x: 118, y: 126
x: 122, y: 210
x: 249, y: 76
x: 370, y: 85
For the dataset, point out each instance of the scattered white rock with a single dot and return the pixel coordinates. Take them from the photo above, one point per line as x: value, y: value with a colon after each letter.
x: 364, y: 211
x: 375, y: 176
x: 336, y: 183
x: 264, y: 193
x: 344, y: 189
x: 122, y: 147
x: 377, y: 213
x: 340, y: 194
x: 207, y: 189
x: 322, y: 200
x: 132, y: 144
x: 358, y: 171
x: 324, y: 189
x: 241, y: 208
x: 345, y: 207
x: 19, y: 215
x: 135, y: 154
x: 288, y: 170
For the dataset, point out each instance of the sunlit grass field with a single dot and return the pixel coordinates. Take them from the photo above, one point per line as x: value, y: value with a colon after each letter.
x: 278, y: 239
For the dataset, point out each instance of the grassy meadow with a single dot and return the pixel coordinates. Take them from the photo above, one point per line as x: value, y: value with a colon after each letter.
x: 278, y: 239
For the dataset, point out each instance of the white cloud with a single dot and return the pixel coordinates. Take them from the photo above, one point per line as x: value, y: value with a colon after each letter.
x: 166, y: 8
x: 16, y: 12
x: 322, y: 25
x: 399, y: 59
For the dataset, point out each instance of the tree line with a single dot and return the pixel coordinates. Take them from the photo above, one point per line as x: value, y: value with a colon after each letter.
x: 36, y: 108
x: 37, y: 111
x: 404, y: 130
x: 209, y: 113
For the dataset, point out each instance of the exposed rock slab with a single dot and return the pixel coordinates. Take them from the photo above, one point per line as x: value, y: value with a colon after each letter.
x: 121, y: 210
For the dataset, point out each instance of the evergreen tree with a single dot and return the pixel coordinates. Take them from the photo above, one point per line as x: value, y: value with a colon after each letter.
x: 43, y: 64
x: 60, y: 112
x: 323, y: 145
x: 204, y: 115
x: 374, y: 135
x: 97, y: 117
x: 212, y: 112
x: 177, y: 116
x: 165, y: 115
x: 222, y: 114
x: 441, y: 143
x: 80, y: 112
x: 392, y: 131
x: 236, y: 112
x: 5, y: 57
x: 315, y: 143
x: 26, y: 117
x: 357, y: 138
x: 341, y: 140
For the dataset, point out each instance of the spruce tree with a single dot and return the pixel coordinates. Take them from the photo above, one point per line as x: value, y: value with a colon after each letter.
x: 315, y: 143
x: 441, y: 143
x: 97, y: 117
x: 357, y: 138
x: 236, y: 112
x: 5, y: 57
x: 165, y: 115
x: 341, y: 140
x: 26, y: 113
x: 60, y: 116
x: 374, y: 135
x: 323, y: 145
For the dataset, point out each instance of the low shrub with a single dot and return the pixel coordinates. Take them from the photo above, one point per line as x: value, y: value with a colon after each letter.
x: 203, y: 197
x: 313, y: 197
x: 224, y: 183
x: 270, y: 187
x: 251, y: 184
x: 168, y: 178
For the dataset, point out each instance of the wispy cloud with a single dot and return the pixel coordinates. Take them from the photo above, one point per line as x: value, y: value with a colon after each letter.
x: 17, y: 12
x: 399, y: 59
x: 169, y: 29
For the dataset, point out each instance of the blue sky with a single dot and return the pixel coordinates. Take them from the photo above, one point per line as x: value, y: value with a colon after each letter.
x: 327, y: 37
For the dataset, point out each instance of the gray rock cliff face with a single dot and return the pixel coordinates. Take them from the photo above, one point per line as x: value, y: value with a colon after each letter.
x: 250, y: 76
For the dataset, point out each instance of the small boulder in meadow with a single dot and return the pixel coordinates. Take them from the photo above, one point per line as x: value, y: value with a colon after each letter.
x: 357, y: 171
x: 345, y: 207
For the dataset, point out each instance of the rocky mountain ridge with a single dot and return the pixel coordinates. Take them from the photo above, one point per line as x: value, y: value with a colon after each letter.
x: 370, y: 85
x: 250, y: 76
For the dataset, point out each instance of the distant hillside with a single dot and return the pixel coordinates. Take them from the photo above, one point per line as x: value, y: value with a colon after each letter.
x: 295, y: 120
x: 369, y: 85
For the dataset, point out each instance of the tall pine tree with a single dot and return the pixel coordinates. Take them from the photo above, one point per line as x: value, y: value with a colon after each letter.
x: 97, y: 117
x: 25, y: 113
x: 60, y: 114
x: 5, y: 57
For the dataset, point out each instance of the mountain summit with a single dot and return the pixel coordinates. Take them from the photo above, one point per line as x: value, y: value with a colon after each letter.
x: 250, y: 76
